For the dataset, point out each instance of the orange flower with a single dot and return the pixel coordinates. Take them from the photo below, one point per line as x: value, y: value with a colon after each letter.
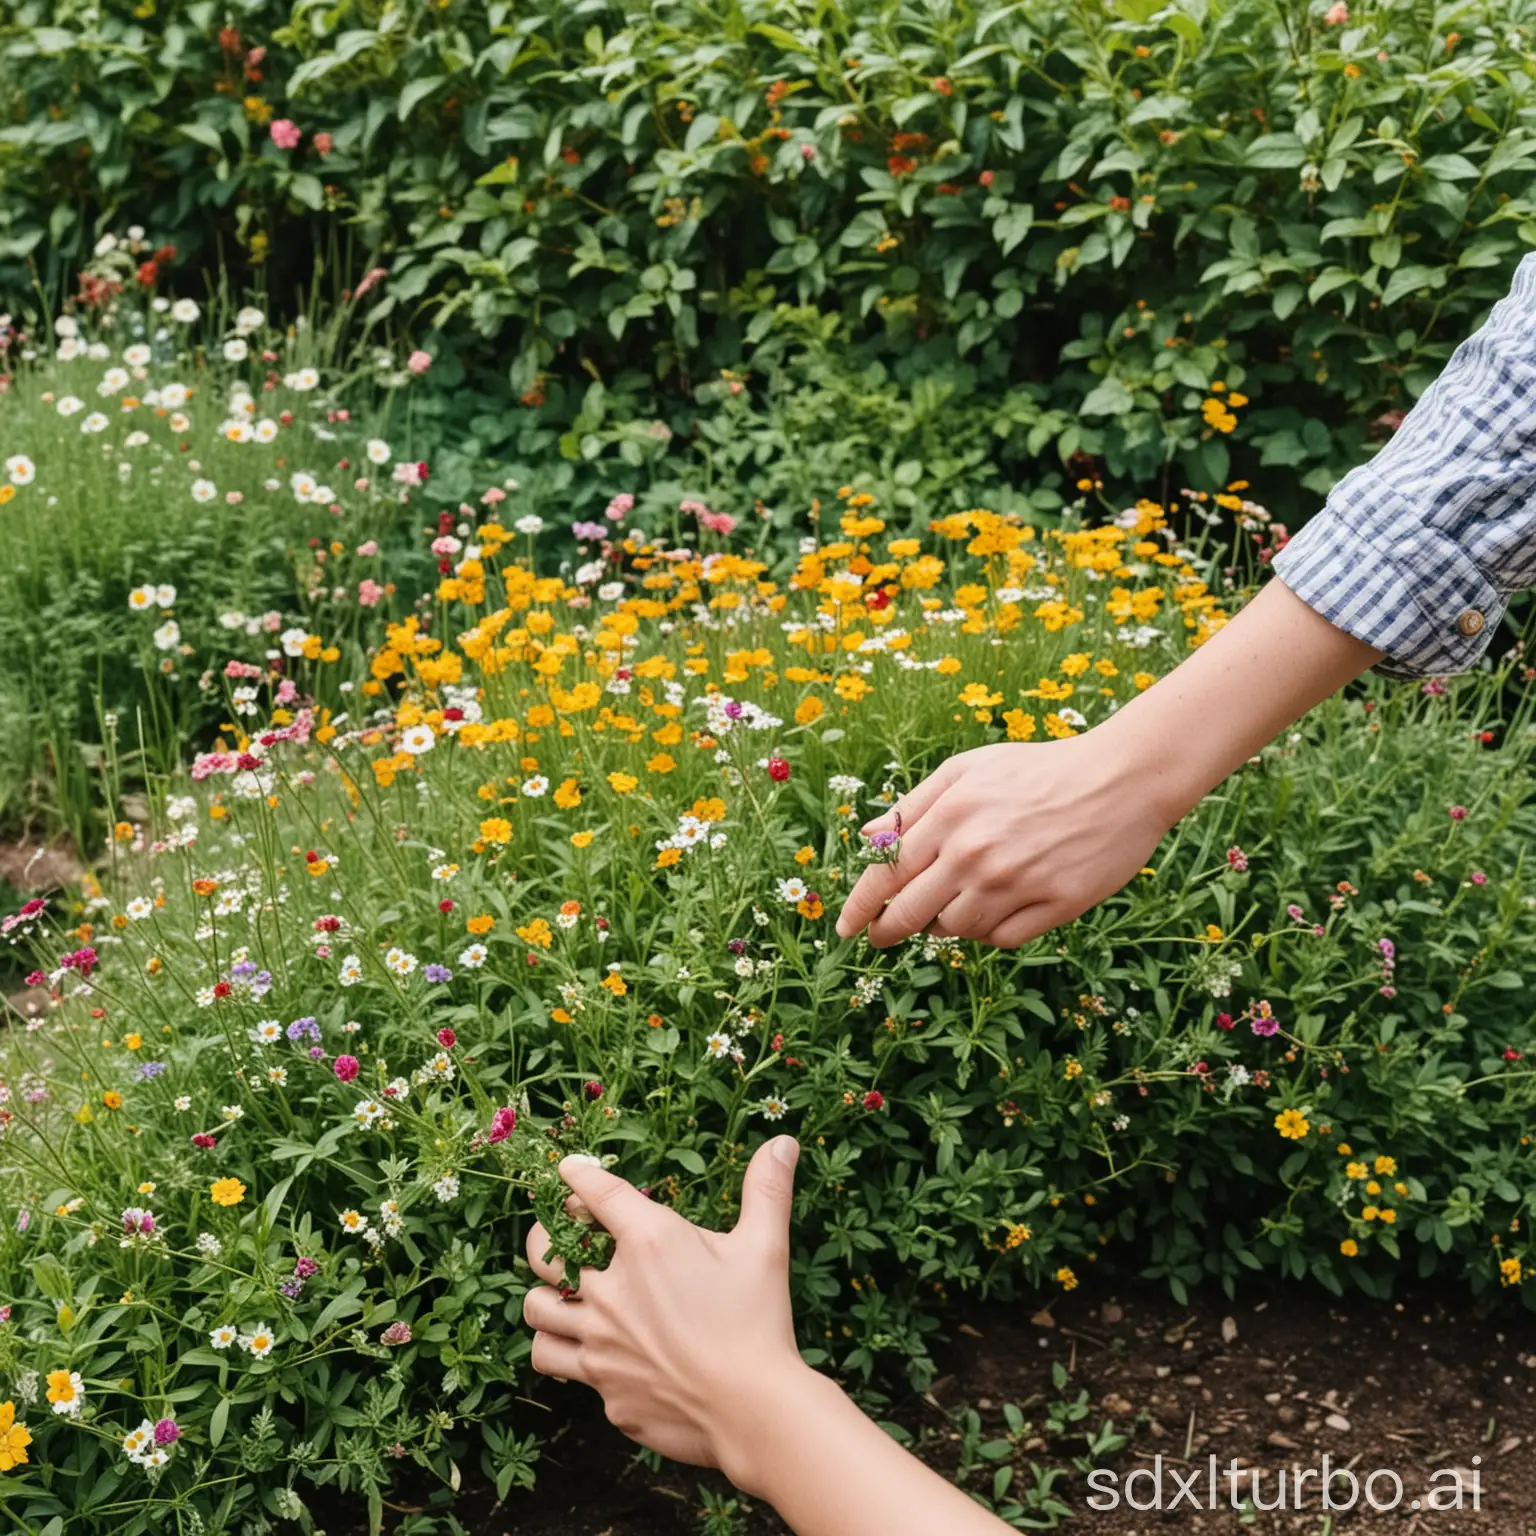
x: 481, y: 925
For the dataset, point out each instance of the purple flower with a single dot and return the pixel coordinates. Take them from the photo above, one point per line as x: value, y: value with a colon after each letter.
x: 23, y: 1220
x: 305, y: 1267
x: 589, y: 530
x: 438, y: 973
x: 305, y: 1028
x: 1266, y: 1027
x: 292, y: 1287
x: 151, y: 1069
x: 317, y: 1053
x: 1388, y: 950
x: 733, y: 710
x: 137, y: 1222
x: 167, y: 1432
x: 882, y: 841
x: 1295, y: 913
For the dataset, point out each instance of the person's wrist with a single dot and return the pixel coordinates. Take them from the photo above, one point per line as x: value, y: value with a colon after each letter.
x: 1138, y: 752
x: 749, y: 1423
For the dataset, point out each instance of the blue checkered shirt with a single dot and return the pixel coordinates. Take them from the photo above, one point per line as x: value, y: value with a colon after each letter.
x: 1417, y: 551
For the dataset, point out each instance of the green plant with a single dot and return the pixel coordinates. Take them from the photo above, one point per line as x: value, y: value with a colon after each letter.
x: 1070, y: 220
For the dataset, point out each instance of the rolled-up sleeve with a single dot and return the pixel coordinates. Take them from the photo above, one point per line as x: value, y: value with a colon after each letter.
x: 1417, y: 551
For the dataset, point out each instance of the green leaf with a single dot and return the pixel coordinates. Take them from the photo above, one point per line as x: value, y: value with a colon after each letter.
x: 1276, y: 152
x: 1110, y: 397
x: 1450, y: 168
x: 1410, y: 279
x: 416, y: 93
x: 689, y: 1160
x: 1009, y: 228
x: 218, y: 1422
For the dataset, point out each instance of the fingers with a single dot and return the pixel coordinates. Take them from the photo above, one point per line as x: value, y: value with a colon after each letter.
x: 881, y: 883
x: 915, y: 804
x: 1025, y: 924
x: 966, y: 917
x: 557, y: 1357
x: 619, y: 1207
x: 551, y: 1272
x: 768, y: 1193
x: 545, y: 1310
x: 916, y: 904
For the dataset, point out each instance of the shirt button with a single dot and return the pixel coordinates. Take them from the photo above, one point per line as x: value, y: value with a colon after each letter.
x: 1471, y: 622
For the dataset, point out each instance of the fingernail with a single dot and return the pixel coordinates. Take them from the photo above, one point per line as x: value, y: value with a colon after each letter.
x: 787, y: 1150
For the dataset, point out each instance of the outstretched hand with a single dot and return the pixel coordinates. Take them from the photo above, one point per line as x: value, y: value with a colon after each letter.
x: 686, y: 1329
x: 1006, y: 842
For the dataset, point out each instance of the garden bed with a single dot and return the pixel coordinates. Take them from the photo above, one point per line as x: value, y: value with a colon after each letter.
x: 1423, y: 1385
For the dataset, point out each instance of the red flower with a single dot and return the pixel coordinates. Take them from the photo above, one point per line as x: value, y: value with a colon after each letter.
x: 445, y: 905
x: 594, y: 1090
x: 346, y: 1068
x: 986, y: 178
x: 503, y: 1123
x: 1224, y: 1021
x: 447, y: 1039
x: 900, y: 165
x: 874, y: 1100
x: 204, y: 1140
x: 778, y: 770
x: 1512, y: 1054
x: 222, y: 989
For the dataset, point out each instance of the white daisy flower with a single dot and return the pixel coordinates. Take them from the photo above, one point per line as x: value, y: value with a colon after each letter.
x: 21, y: 469
x: 259, y: 1341
x: 417, y: 740
x: 139, y: 908
x: 378, y: 451
x: 236, y: 350
x: 185, y: 311
x: 717, y: 1045
x: 473, y: 957
x: 168, y: 636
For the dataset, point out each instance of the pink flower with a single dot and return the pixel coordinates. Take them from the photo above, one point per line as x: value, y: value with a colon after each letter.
x: 503, y: 1123
x: 1479, y: 878
x: 1458, y: 813
x: 285, y: 133
x: 346, y: 1068
x: 407, y: 473
x: 1336, y: 14
x: 1237, y: 859
x: 396, y: 1333
x: 368, y: 547
x: 620, y: 507
x: 419, y: 361
x: 376, y: 275
x: 324, y: 143
x: 492, y: 496
x: 369, y: 592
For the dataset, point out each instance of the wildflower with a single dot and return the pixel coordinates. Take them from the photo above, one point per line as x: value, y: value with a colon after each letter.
x: 260, y: 1341
x: 717, y: 1045
x: 400, y: 962
x: 14, y: 1438
x: 772, y: 1107
x: 873, y: 1100
x: 346, y: 1068
x: 285, y: 133
x: 418, y: 740
x: 226, y: 1192
x: 66, y: 1392
x: 1349, y: 1248
x: 503, y: 1122
x: 1237, y: 860
x: 1292, y: 1124
x: 438, y: 974
x: 396, y: 1334
x: 473, y: 957
x: 1066, y: 1279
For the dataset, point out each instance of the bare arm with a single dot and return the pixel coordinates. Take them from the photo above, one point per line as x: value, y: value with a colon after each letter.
x: 1008, y: 841
x: 688, y: 1337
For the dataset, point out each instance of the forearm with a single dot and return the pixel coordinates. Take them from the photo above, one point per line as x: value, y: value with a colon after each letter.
x: 831, y: 1471
x: 1259, y: 673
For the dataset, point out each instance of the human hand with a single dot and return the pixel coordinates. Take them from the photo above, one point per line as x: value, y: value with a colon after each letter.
x: 1008, y: 841
x: 688, y: 1334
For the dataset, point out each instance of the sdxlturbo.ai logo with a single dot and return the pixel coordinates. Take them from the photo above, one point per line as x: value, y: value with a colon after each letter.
x: 1165, y: 1488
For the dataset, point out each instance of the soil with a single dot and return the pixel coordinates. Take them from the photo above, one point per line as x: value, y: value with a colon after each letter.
x: 1422, y: 1387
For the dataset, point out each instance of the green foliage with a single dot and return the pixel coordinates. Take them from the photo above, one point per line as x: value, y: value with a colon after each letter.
x: 1294, y: 1043
x: 1050, y: 228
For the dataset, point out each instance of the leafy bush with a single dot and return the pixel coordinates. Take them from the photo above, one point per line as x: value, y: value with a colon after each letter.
x: 1048, y: 228
x: 568, y: 843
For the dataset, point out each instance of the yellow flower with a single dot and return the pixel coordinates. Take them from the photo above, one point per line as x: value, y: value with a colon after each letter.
x: 663, y: 762
x: 568, y: 796
x: 1349, y: 1248
x: 14, y: 1438
x: 1511, y: 1272
x: 1074, y: 1069
x: 1021, y: 725
x: 807, y: 710
x: 536, y: 932
x: 805, y: 855
x: 496, y: 829
x: 581, y: 839
x: 64, y: 1391
x: 133, y: 1042
x: 1387, y: 1165
x: 668, y: 857
x: 1066, y: 1279
x: 1292, y: 1124
x: 1370, y: 1213
x: 1018, y: 1234
x: 979, y: 696
x: 481, y: 925
x: 1058, y: 728
x: 1354, y: 1170
x: 622, y: 783
x: 112, y: 1099
x: 226, y: 1192
x: 614, y: 983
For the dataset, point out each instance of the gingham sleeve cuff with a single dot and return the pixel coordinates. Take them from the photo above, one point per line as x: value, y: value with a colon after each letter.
x: 1370, y: 565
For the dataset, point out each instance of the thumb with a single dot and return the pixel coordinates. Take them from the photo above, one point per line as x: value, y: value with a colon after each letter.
x: 768, y: 1193
x: 917, y: 802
